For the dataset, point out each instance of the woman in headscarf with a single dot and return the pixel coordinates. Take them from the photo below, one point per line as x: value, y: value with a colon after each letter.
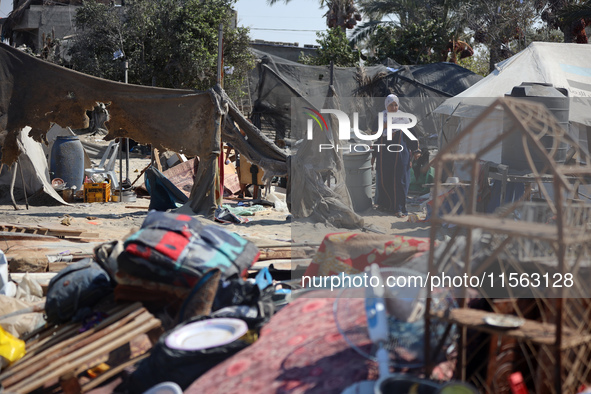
x: 393, y: 165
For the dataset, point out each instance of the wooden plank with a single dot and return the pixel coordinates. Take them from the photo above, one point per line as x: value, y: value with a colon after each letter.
x: 271, y: 254
x: 66, y: 231
x: 156, y: 157
x: 112, y: 372
x: 65, y: 338
x: 25, y: 236
x: 533, y: 331
x: 516, y: 228
x: 283, y: 245
x: 574, y: 170
x: 48, y: 336
x: 47, y: 231
x: 285, y: 253
x: 281, y: 264
x: 143, y: 323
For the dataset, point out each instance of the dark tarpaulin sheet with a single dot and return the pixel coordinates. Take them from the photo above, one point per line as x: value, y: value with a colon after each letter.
x: 36, y: 93
x: 275, y: 81
x: 309, y: 195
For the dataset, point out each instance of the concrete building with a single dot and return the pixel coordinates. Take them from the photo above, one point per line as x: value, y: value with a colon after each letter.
x: 34, y: 21
x: 289, y: 51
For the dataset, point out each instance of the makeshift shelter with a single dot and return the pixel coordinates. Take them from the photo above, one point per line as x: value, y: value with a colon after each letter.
x: 184, y: 121
x: 30, y: 173
x: 561, y: 65
x: 310, y: 194
x: 275, y: 81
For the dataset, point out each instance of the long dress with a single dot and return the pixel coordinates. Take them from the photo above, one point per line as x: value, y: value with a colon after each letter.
x: 393, y: 171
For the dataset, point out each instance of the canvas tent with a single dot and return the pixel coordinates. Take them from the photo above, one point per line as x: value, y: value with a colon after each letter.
x: 561, y: 65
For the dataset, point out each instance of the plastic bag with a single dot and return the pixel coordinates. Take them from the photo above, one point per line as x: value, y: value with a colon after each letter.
x: 280, y: 204
x: 11, y: 348
x: 6, y: 286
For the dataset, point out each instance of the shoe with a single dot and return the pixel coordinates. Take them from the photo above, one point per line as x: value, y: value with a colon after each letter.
x: 399, y: 214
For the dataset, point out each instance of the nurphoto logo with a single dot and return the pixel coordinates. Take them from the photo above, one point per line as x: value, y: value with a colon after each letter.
x: 345, y: 130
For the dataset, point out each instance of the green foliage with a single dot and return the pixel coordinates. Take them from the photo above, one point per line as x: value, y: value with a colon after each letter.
x: 416, y: 44
x: 545, y: 34
x: 100, y: 36
x: 419, y: 31
x: 477, y: 63
x: 335, y: 47
x: 502, y: 25
x: 168, y: 43
x: 569, y: 16
x: 422, y: 30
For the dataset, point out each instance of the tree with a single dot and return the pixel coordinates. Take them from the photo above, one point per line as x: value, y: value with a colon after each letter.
x: 501, y: 25
x: 168, y: 43
x: 479, y: 63
x: 411, y: 45
x: 569, y: 16
x: 418, y: 31
x: 341, y: 13
x: 334, y: 47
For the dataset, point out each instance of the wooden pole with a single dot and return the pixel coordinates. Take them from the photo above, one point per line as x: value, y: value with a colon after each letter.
x: 20, y: 168
x: 219, y: 180
x: 12, y: 182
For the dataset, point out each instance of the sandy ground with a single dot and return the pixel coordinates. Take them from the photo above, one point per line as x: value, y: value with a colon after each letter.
x: 101, y: 222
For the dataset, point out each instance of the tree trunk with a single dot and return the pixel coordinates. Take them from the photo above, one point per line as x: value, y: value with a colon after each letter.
x: 495, y: 57
x: 568, y: 32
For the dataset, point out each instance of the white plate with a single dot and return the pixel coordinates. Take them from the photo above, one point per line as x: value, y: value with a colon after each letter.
x: 503, y: 321
x: 206, y: 334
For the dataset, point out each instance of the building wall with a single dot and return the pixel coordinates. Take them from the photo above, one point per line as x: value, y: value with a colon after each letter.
x: 59, y: 20
x: 289, y: 51
x: 39, y: 20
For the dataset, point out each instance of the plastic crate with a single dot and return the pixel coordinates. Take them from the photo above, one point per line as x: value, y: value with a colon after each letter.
x: 97, y: 192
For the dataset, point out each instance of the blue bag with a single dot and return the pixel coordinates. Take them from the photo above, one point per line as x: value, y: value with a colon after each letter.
x: 79, y: 285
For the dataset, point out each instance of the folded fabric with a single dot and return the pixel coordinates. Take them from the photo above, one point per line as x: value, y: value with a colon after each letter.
x: 179, y: 250
x: 244, y: 211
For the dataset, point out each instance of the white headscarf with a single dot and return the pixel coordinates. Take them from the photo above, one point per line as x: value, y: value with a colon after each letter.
x: 390, y: 99
x: 395, y: 119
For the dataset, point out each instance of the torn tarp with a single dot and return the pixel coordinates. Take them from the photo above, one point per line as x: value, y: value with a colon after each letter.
x: 36, y: 93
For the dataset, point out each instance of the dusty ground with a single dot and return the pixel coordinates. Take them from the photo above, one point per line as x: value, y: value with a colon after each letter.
x: 101, y: 222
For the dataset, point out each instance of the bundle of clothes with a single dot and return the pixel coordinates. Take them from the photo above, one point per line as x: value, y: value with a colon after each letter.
x: 184, y: 271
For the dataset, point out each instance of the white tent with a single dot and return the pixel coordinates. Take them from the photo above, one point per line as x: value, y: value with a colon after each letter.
x: 562, y: 65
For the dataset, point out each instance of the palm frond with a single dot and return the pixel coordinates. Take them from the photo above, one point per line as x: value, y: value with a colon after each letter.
x: 377, y: 9
x: 271, y: 2
x: 364, y: 30
x: 368, y: 86
x: 576, y: 12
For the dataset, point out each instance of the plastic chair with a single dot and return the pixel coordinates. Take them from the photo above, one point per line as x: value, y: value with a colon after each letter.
x: 107, y: 165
